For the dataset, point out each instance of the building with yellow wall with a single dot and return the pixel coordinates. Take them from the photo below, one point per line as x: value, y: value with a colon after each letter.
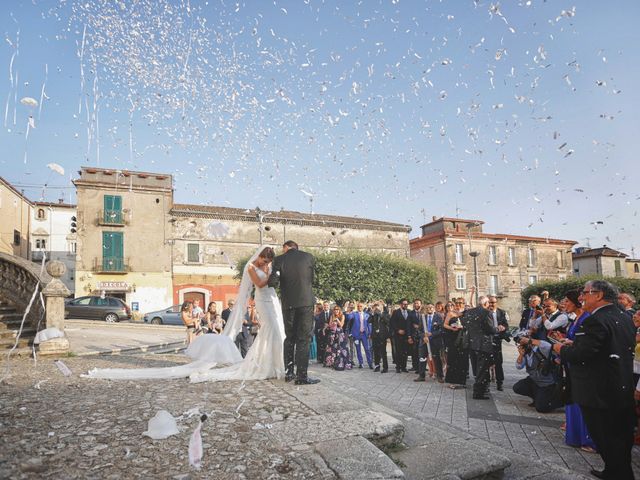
x: 15, y: 214
x: 123, y: 247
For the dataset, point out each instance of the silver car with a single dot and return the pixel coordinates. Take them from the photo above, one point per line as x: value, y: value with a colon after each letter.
x: 167, y: 316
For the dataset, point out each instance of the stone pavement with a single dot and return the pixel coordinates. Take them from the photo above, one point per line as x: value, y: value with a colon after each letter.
x: 88, y: 337
x: 506, y: 421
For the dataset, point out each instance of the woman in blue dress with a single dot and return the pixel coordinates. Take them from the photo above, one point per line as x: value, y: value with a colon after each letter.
x: 576, y: 433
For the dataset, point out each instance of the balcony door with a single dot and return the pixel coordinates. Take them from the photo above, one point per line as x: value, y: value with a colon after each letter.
x: 112, y: 251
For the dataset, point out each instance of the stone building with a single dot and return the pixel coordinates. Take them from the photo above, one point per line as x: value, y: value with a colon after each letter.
x: 135, y: 244
x: 123, y: 234
x: 603, y: 261
x: 209, y: 240
x: 505, y: 263
x: 633, y: 267
x: 53, y: 235
x: 15, y: 213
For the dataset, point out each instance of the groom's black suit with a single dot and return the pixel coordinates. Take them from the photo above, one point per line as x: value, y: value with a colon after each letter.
x: 294, y: 271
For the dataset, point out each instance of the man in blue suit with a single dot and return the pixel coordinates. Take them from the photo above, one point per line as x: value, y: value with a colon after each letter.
x: 361, y: 331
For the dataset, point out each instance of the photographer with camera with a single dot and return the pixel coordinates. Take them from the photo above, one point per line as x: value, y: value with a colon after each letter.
x: 549, y: 318
x: 536, y: 357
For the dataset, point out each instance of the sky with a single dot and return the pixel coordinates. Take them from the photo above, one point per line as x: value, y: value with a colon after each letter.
x: 519, y: 113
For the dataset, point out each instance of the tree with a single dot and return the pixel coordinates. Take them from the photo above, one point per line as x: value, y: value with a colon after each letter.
x: 558, y: 289
x: 353, y: 275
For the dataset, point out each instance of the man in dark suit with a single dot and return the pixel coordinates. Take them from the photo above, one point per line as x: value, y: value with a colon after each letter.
x: 533, y: 310
x: 321, y: 320
x: 294, y: 271
x: 400, y: 331
x: 601, y: 359
x: 499, y: 317
x: 414, y: 335
x: 431, y: 334
x: 481, y: 332
x: 379, y: 323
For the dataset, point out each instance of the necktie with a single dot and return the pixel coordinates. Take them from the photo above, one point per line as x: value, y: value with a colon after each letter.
x: 361, y: 322
x: 495, y: 319
x: 430, y: 320
x: 404, y: 314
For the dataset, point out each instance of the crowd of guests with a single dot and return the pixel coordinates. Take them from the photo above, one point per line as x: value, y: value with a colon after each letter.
x: 577, y: 352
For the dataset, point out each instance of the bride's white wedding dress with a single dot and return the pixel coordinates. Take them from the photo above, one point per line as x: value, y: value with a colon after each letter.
x: 263, y: 360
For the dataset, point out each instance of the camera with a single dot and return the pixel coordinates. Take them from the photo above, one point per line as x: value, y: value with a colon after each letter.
x: 519, y: 336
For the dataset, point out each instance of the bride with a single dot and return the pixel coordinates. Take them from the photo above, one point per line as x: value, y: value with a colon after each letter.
x: 263, y: 360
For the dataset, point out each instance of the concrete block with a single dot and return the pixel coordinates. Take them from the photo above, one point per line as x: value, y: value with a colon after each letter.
x: 355, y: 458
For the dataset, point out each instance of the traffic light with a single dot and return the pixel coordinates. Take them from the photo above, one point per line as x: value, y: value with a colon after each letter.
x: 74, y: 225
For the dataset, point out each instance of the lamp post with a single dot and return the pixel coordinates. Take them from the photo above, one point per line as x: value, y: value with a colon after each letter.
x: 260, y: 217
x: 474, y: 255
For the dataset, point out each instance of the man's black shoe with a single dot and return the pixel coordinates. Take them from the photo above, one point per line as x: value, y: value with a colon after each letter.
x: 307, y: 381
x: 480, y: 397
x: 384, y: 371
x: 289, y: 376
x: 597, y: 473
x: 404, y: 370
x: 370, y: 367
x: 419, y: 379
x: 377, y: 369
x: 398, y: 370
x: 499, y: 387
x: 359, y: 366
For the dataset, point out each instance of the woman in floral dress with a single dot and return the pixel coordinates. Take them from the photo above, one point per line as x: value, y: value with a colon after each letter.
x: 337, y: 355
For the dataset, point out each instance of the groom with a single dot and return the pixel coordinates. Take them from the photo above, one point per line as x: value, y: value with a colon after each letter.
x: 294, y: 271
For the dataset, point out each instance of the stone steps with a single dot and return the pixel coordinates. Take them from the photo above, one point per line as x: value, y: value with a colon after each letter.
x: 10, y: 322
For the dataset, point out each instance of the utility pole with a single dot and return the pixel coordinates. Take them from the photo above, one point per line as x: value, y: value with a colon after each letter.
x: 474, y: 255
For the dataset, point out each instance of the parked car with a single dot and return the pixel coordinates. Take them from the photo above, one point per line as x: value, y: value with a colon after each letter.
x: 109, y: 309
x: 167, y: 316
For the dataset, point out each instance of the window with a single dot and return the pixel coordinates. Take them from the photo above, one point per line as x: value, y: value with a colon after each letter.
x: 113, y: 209
x: 112, y: 251
x: 493, y: 255
x: 459, y: 258
x: 72, y: 247
x: 636, y: 268
x: 193, y: 253
x: 40, y: 215
x: 16, y: 237
x: 41, y: 244
x: 82, y: 301
x: 511, y: 256
x: 493, y: 284
x: 461, y: 283
x: 531, y: 257
x: 533, y: 279
x: 560, y: 259
x: 618, y: 267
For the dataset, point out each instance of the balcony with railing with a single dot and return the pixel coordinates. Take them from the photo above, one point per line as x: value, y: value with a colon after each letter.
x: 111, y: 265
x: 111, y: 217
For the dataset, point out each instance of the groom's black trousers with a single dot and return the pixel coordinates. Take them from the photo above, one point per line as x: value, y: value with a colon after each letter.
x: 298, y: 328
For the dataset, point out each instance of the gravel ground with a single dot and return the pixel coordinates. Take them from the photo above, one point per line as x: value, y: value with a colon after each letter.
x: 52, y: 426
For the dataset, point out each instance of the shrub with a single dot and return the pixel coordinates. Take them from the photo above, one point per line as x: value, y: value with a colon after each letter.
x: 353, y: 275
x: 558, y: 289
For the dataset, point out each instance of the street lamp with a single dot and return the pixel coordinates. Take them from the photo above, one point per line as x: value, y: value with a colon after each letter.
x: 260, y: 217
x: 474, y: 255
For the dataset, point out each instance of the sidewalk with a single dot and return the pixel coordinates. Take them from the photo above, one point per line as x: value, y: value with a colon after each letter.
x: 88, y: 337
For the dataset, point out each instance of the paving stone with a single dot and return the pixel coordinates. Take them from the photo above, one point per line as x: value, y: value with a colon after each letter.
x: 355, y: 458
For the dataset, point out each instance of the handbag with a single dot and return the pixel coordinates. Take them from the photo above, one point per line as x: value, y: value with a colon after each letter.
x: 254, y: 329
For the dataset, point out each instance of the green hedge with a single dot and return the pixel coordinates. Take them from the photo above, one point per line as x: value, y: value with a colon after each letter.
x: 558, y: 290
x: 352, y: 275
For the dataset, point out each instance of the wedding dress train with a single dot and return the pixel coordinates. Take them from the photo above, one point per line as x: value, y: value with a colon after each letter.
x: 263, y: 360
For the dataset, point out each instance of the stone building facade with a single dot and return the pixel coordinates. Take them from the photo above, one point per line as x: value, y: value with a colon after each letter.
x: 123, y: 236
x: 15, y: 215
x: 204, y: 258
x: 53, y: 235
x: 603, y: 261
x: 133, y: 242
x: 505, y: 263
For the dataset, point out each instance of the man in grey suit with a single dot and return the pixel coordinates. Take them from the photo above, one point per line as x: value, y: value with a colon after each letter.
x: 294, y: 271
